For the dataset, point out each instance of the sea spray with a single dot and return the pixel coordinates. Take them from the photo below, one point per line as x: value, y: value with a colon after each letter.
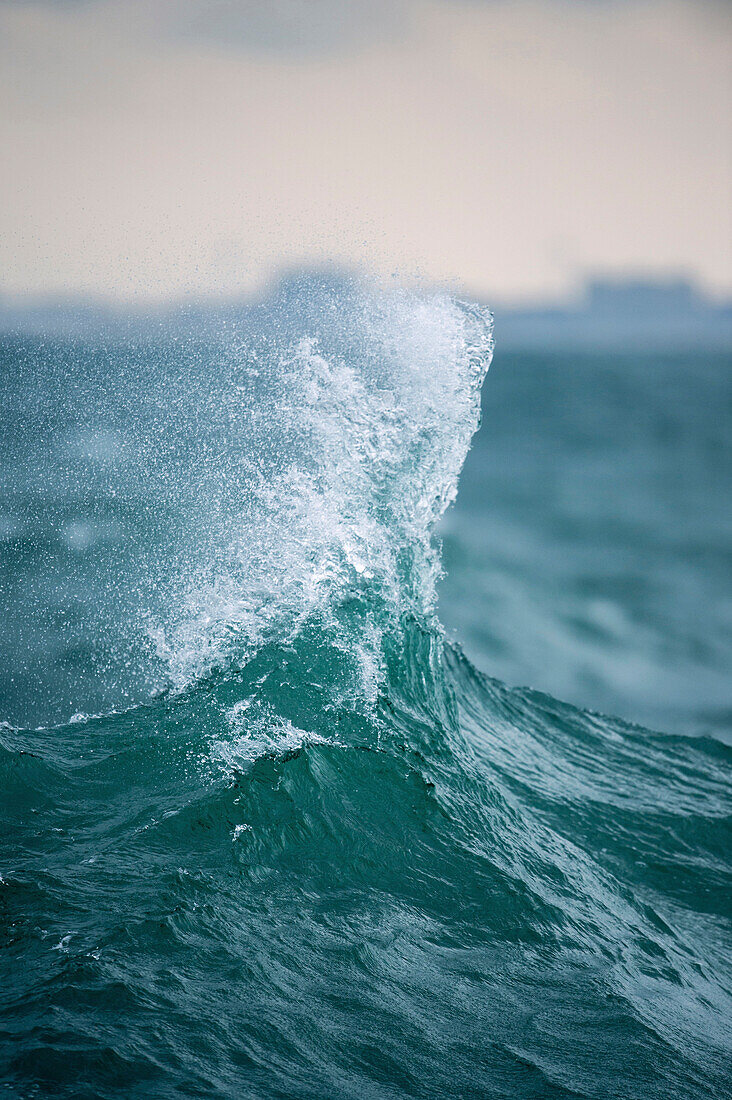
x: 347, y: 447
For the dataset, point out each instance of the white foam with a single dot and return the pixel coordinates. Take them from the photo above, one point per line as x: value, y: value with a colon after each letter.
x: 256, y: 731
x: 351, y: 439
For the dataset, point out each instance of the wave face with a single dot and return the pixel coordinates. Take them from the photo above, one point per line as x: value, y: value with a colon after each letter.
x: 316, y: 853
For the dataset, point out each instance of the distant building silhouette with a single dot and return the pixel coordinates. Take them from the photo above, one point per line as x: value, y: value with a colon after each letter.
x: 640, y: 298
x: 622, y: 313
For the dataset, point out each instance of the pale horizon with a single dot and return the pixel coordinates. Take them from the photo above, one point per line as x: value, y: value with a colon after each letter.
x: 167, y: 151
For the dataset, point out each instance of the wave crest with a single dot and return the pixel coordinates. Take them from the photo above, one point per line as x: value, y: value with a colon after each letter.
x: 351, y: 423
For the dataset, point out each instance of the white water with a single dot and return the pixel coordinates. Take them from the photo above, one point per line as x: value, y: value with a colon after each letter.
x: 348, y: 438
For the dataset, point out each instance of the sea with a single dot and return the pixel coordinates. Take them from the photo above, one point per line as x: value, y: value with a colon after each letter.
x: 365, y: 713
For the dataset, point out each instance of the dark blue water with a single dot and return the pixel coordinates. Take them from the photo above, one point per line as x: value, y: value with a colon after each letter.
x: 267, y: 831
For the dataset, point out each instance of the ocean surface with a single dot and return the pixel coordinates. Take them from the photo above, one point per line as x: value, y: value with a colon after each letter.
x: 310, y: 784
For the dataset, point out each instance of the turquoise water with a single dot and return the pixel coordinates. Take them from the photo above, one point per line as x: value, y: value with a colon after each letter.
x: 267, y: 830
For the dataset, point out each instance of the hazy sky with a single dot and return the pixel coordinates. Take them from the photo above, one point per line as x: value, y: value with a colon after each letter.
x: 167, y: 147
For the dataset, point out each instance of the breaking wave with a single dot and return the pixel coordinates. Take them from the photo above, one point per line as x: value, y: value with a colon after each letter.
x: 330, y: 459
x: 328, y: 857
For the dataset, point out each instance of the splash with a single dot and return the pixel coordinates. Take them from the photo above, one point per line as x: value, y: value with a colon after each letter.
x: 340, y: 444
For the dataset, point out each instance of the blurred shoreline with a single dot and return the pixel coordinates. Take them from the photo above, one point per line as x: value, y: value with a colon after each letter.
x: 610, y: 313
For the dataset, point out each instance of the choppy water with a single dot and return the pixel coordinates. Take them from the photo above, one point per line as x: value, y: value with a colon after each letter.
x: 305, y: 848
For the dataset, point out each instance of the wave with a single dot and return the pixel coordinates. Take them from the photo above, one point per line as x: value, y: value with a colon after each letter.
x: 473, y: 887
x: 335, y: 452
x: 332, y: 857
